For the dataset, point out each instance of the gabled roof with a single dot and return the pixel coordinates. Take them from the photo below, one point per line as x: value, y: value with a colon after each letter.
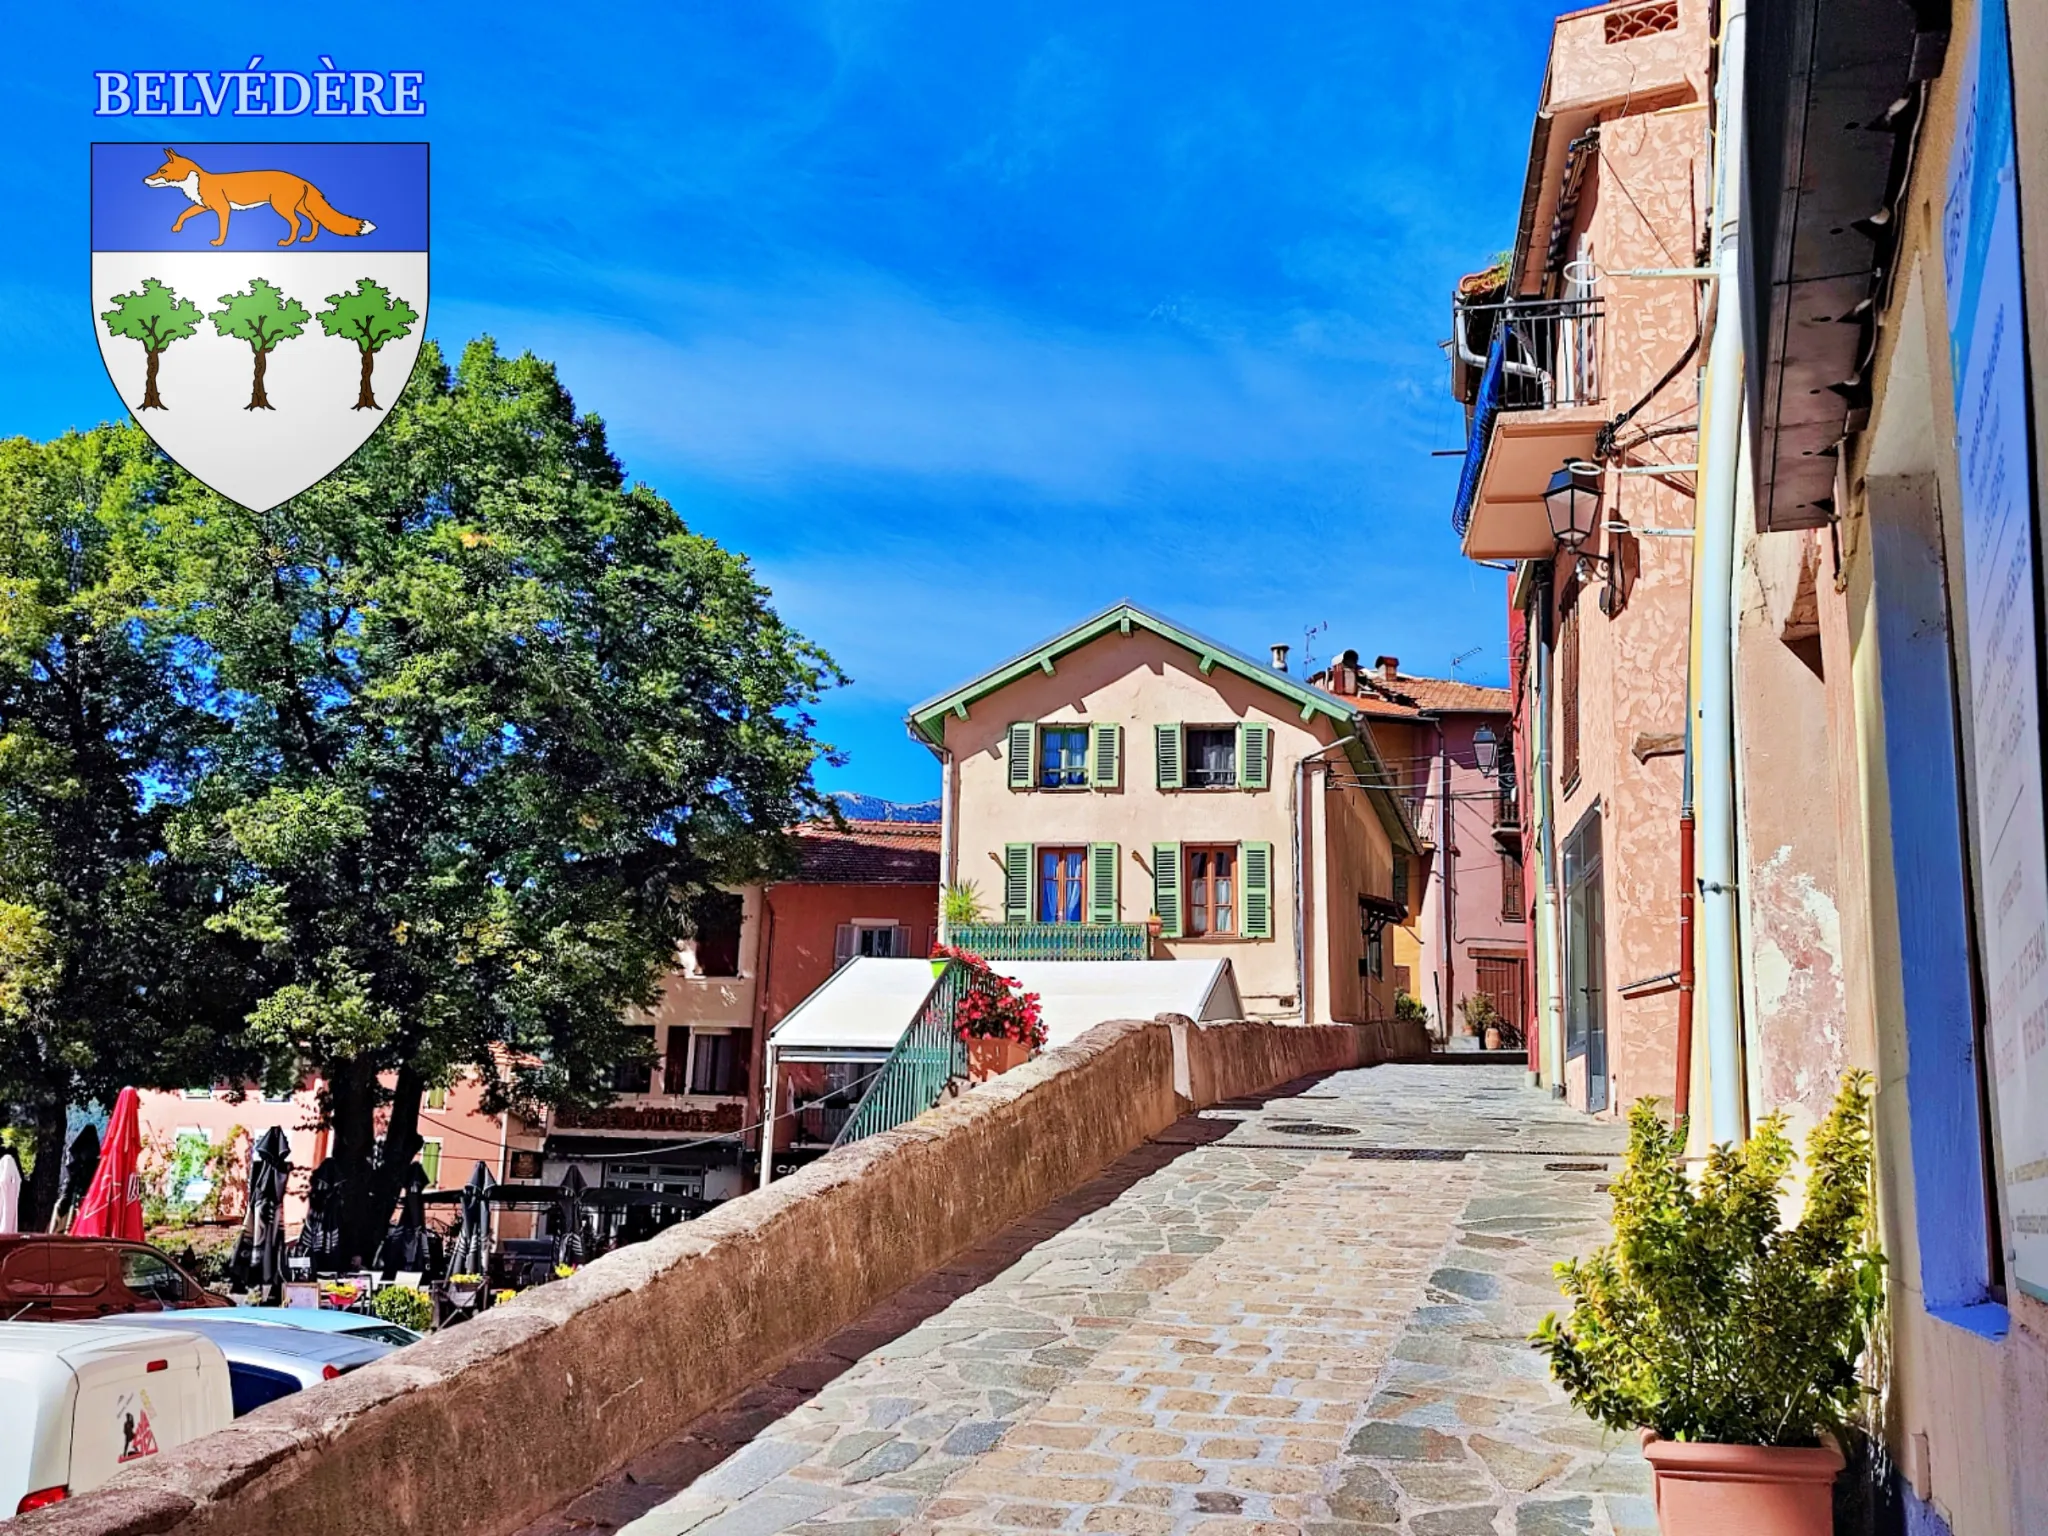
x: 927, y: 720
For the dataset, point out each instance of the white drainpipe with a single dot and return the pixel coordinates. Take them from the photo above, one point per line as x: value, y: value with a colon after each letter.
x: 1549, y: 934
x: 948, y: 875
x: 1714, y: 723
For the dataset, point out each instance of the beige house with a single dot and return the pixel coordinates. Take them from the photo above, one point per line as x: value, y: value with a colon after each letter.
x: 1130, y: 770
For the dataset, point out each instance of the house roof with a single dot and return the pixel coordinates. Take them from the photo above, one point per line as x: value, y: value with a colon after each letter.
x: 869, y: 853
x: 927, y: 721
x: 1435, y: 695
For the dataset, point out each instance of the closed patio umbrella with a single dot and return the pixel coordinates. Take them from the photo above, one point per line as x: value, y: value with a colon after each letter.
x: 258, y: 1263
x: 572, y: 1246
x: 10, y: 1193
x: 112, y: 1207
x: 472, y: 1250
x: 319, y: 1236
x: 410, y: 1244
x: 79, y: 1163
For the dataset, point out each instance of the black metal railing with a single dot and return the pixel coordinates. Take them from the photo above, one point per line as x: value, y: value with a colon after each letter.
x: 1550, y: 350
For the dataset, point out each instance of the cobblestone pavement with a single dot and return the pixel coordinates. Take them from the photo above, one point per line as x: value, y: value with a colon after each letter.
x: 1306, y: 1313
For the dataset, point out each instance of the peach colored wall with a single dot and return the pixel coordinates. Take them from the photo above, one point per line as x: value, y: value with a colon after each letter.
x: 1586, y: 69
x: 1640, y: 206
x: 465, y: 1132
x: 1141, y: 680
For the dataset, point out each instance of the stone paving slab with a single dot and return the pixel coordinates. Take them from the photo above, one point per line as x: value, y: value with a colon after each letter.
x: 1243, y: 1329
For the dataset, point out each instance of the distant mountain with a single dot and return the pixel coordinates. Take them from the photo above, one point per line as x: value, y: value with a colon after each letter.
x: 869, y: 808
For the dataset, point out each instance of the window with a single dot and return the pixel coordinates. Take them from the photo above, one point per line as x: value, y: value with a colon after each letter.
x: 1212, y: 757
x: 880, y: 940
x: 150, y: 1275
x: 198, y: 1093
x: 1375, y: 954
x: 1401, y: 881
x: 1510, y: 886
x: 1060, y: 884
x: 1211, y: 890
x: 632, y: 1073
x: 430, y: 1161
x: 1062, y: 756
x: 1568, y: 699
x: 717, y: 1065
x: 716, y: 928
x: 437, y: 1098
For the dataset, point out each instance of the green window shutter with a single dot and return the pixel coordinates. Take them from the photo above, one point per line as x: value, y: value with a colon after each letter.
x: 1166, y: 884
x: 1105, y: 755
x: 1016, y: 882
x: 1102, y: 903
x: 1166, y: 753
x: 1254, y: 755
x: 1021, y: 751
x: 1255, y: 882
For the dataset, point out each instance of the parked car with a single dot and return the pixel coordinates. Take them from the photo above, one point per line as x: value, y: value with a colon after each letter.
x: 78, y: 1402
x: 84, y: 1279
x: 354, y: 1325
x: 267, y: 1361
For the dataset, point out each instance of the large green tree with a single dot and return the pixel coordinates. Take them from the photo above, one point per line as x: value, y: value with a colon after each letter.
x: 263, y: 316
x: 108, y: 974
x: 368, y: 316
x: 155, y: 316
x: 497, y: 721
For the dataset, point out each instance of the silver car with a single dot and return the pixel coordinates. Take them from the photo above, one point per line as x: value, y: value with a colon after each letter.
x: 267, y: 1361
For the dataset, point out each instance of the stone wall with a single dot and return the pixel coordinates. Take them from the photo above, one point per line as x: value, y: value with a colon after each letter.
x: 480, y: 1429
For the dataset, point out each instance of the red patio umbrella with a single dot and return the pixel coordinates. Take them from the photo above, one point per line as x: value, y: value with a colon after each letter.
x: 113, y: 1206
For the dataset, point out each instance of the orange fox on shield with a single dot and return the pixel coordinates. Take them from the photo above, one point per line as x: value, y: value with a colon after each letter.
x: 222, y: 191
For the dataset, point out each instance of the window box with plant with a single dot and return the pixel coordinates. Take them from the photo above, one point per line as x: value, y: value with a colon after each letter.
x: 1731, y: 1341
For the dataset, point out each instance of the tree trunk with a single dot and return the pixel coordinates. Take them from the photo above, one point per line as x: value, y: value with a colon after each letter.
x: 365, y: 401
x: 394, y: 1158
x: 44, y: 1182
x: 258, y: 400
x: 352, y: 1111
x: 151, y: 400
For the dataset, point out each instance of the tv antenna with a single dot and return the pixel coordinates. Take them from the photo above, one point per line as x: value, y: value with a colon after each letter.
x: 1462, y: 657
x: 1308, y: 638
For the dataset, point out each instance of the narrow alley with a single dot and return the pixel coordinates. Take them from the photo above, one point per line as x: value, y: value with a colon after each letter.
x: 1306, y: 1312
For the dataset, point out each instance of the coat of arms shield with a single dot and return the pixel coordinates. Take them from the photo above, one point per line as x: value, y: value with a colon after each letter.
x: 259, y: 306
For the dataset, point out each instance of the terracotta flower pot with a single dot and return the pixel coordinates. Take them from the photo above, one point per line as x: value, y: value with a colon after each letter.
x: 1492, y: 1037
x: 1704, y: 1488
x: 987, y: 1058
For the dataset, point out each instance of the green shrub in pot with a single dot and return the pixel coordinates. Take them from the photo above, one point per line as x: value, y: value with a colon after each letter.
x: 1707, y: 1318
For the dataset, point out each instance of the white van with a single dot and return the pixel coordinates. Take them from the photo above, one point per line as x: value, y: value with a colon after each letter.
x: 80, y: 1401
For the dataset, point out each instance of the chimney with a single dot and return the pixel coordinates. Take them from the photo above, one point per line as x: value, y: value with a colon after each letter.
x: 1279, y: 658
x: 1387, y: 666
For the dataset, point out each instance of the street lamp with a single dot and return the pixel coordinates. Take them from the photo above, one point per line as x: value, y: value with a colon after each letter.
x: 1486, y: 747
x: 1572, y: 503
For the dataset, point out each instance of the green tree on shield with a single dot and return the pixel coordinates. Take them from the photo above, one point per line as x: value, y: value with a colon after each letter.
x: 155, y: 316
x: 262, y: 317
x: 369, y: 317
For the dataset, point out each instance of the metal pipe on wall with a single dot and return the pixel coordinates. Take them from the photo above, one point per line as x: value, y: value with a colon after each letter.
x: 1550, y: 936
x: 1714, y: 710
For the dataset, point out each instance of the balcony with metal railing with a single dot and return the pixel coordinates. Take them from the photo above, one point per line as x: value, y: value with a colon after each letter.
x: 1055, y: 941
x: 1529, y: 370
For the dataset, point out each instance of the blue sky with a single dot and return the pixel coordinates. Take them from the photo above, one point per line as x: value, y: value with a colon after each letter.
x: 961, y: 321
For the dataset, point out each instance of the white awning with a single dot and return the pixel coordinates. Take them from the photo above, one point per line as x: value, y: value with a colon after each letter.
x: 867, y: 1004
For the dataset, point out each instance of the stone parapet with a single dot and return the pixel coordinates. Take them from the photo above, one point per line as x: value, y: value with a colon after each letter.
x: 480, y: 1429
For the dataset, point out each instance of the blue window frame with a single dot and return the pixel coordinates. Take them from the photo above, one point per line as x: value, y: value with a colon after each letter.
x: 1063, y: 757
x: 1060, y: 882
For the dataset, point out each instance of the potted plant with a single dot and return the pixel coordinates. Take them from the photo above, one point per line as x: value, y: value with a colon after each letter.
x: 1729, y: 1339
x: 1481, y: 1019
x: 998, y: 1021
